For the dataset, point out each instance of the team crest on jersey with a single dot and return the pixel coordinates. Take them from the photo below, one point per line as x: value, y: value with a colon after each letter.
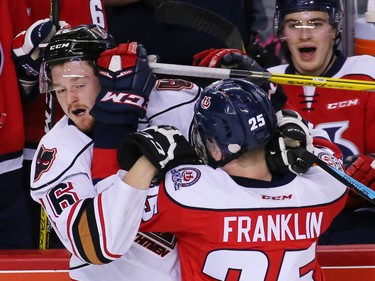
x: 44, y: 161
x: 185, y: 177
x: 331, y: 160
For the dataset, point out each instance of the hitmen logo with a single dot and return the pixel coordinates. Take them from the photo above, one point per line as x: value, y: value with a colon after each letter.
x: 44, y: 162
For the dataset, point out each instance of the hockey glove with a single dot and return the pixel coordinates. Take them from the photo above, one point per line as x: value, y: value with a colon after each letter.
x: 362, y: 169
x: 292, y: 141
x: 226, y: 58
x: 164, y: 146
x: 280, y: 158
x: 294, y: 129
x: 127, y: 81
x: 27, y: 55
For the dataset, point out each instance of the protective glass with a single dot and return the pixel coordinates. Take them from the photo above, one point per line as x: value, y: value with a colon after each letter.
x: 73, y: 75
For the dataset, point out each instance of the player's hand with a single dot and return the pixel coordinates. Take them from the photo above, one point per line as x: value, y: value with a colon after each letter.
x: 291, y: 142
x: 226, y: 58
x: 294, y: 129
x: 164, y: 146
x: 281, y: 158
x: 362, y: 169
x: 127, y: 81
x: 27, y: 54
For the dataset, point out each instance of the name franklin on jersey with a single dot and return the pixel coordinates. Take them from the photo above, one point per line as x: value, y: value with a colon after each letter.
x: 271, y: 228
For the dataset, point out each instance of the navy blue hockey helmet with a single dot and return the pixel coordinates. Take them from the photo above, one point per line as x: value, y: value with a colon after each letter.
x: 236, y: 114
x: 334, y: 9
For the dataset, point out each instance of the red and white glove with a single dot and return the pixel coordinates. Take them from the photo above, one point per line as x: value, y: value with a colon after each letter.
x: 226, y: 58
x: 27, y: 54
x: 363, y: 170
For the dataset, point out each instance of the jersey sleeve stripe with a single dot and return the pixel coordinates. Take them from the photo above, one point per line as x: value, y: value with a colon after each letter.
x: 86, y: 236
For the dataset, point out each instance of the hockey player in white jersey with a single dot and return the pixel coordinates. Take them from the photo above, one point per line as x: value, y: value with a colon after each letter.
x: 94, y: 222
x: 234, y: 219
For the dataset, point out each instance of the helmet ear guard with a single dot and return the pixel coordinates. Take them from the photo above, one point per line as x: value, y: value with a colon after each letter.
x: 237, y: 114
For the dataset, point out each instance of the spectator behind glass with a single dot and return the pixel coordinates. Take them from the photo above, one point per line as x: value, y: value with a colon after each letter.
x: 312, y: 32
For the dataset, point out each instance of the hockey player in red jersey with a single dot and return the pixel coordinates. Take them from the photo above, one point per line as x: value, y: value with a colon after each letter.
x: 312, y: 32
x: 233, y: 218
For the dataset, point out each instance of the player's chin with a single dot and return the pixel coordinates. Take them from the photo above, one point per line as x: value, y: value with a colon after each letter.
x: 85, y: 124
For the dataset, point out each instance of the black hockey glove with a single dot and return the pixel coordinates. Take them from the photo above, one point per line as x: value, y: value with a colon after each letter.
x: 226, y: 58
x: 127, y: 81
x: 290, y: 145
x: 280, y: 158
x: 164, y: 146
x: 27, y: 55
x: 294, y: 129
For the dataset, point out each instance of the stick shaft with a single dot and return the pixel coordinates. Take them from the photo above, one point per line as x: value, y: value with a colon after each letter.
x: 45, y: 224
x: 359, y: 188
x: 55, y: 12
x: 289, y: 79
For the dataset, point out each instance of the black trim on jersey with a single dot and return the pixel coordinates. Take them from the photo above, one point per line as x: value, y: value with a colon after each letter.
x: 63, y: 172
x: 75, y: 231
x: 275, y: 182
x: 11, y: 155
x: 93, y: 226
x: 172, y: 107
x: 88, y: 207
x: 79, y: 266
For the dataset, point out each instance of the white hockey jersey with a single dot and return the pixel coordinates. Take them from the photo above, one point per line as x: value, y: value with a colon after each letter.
x: 95, y: 222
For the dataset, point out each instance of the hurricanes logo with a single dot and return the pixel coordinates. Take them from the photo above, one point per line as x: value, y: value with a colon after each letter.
x: 44, y: 162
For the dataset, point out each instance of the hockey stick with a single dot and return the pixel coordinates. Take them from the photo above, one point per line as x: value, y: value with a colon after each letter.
x: 359, y: 188
x: 45, y: 224
x: 289, y: 79
x: 191, y: 16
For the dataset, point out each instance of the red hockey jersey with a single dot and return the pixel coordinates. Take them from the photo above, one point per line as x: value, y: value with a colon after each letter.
x: 347, y: 116
x: 13, y: 19
x: 241, y: 229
